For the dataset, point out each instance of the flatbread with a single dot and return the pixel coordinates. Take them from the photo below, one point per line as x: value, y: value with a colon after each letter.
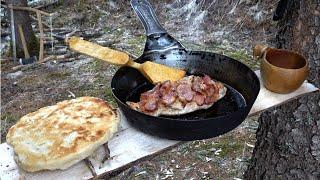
x: 58, y: 136
x: 177, y: 108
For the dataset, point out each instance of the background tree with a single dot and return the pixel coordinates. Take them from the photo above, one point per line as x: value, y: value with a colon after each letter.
x: 22, y: 18
x: 288, y: 137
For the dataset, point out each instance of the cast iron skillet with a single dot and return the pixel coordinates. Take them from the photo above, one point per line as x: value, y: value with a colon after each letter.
x: 242, y: 83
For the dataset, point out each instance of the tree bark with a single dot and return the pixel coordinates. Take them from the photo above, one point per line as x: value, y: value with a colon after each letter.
x: 299, y: 30
x: 288, y: 137
x: 22, y: 18
x: 288, y: 142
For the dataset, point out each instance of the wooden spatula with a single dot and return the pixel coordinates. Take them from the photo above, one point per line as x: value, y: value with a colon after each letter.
x: 152, y: 71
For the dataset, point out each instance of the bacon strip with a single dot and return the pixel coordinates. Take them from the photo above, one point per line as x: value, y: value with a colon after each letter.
x: 185, y: 92
x: 168, y: 93
x: 199, y: 99
x: 201, y: 90
x: 149, y: 100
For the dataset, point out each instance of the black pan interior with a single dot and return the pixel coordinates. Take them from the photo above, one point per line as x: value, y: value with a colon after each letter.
x: 242, y: 86
x: 233, y: 101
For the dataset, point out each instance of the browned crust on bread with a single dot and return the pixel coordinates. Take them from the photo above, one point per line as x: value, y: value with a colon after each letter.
x: 58, y: 136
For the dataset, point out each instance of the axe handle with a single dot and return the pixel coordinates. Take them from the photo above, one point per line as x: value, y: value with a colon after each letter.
x: 24, y: 44
x: 14, y: 47
x: 41, y: 36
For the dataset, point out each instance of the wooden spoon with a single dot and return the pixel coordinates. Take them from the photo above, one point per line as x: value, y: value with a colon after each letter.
x: 152, y: 71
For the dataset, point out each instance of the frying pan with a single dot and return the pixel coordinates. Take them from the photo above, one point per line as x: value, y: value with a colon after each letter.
x: 242, y: 83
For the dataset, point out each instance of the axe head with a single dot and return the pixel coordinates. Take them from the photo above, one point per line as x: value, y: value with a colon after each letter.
x: 24, y: 61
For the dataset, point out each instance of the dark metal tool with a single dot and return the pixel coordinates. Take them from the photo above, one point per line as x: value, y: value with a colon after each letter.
x: 225, y: 115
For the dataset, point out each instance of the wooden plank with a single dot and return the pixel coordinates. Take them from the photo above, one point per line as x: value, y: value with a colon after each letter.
x: 10, y: 170
x: 267, y: 99
x: 128, y: 145
x: 41, y: 36
x: 25, y: 9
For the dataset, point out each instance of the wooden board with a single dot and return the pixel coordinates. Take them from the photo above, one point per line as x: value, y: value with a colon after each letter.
x: 128, y: 145
x: 267, y: 99
x: 9, y: 169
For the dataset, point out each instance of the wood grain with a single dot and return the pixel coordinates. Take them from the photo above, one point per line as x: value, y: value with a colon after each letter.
x: 96, y: 51
x: 154, y: 72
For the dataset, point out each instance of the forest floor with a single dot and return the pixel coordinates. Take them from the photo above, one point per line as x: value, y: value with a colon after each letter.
x: 228, y: 27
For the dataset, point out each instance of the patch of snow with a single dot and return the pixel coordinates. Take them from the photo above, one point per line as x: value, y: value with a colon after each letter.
x: 254, y: 8
x: 232, y: 11
x: 218, y: 33
x: 112, y: 4
x: 15, y: 75
x: 140, y: 173
x: 189, y: 8
x: 208, y: 159
x: 318, y: 40
x: 217, y: 152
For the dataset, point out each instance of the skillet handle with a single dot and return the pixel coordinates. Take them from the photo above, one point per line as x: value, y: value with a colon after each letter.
x: 147, y: 17
x: 158, y: 40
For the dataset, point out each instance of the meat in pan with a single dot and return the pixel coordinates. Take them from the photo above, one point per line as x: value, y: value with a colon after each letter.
x: 180, y: 97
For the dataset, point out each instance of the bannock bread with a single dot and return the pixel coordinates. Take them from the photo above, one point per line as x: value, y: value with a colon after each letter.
x: 58, y: 136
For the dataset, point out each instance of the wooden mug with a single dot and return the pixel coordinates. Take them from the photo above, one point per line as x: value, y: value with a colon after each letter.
x: 282, y: 71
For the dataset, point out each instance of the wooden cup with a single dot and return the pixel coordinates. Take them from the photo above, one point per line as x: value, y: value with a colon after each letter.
x: 282, y: 71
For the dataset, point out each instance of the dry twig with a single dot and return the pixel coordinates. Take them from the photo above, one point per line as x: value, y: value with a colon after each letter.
x: 90, y: 166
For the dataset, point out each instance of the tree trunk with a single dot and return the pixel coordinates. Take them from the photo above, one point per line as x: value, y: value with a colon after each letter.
x: 300, y: 31
x: 22, y: 18
x: 288, y: 137
x: 288, y: 142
